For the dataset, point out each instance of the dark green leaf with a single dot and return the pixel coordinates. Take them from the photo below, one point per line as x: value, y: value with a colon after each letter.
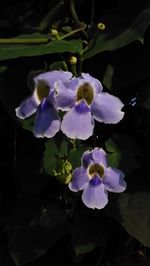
x: 58, y: 65
x: 28, y: 123
x: 51, y: 155
x: 63, y: 148
x: 75, y: 156
x: 116, y: 35
x: 135, y: 215
x: 131, y: 152
x: 3, y: 69
x: 55, y: 151
x: 32, y: 228
x: 88, y: 231
x: 113, y: 153
x: 52, y: 15
x: 57, y: 46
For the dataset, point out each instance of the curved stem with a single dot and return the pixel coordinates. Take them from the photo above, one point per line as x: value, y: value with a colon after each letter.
x: 74, y: 14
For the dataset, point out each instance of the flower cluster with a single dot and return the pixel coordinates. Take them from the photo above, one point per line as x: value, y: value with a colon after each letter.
x: 95, y: 179
x: 81, y: 98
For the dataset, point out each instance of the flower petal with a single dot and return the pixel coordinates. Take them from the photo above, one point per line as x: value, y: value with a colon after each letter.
x: 78, y: 123
x: 27, y: 108
x: 99, y: 156
x: 95, y: 196
x: 47, y: 122
x: 87, y: 159
x: 106, y: 108
x: 64, y: 97
x: 95, y: 81
x: 80, y: 179
x: 113, y: 180
x: 52, y: 76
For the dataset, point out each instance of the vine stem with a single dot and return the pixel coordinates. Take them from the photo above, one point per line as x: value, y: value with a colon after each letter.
x: 74, y: 14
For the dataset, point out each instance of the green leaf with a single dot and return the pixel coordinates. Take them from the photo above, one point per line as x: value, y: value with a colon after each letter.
x: 115, y: 37
x: 113, y: 153
x: 52, y: 15
x: 55, y: 150
x: 63, y: 148
x: 55, y: 46
x: 28, y: 123
x: 32, y: 229
x: 108, y: 77
x: 51, y: 155
x: 75, y: 156
x: 88, y: 231
x: 85, y: 248
x: 130, y: 149
x: 135, y: 215
x: 2, y: 69
x: 58, y: 65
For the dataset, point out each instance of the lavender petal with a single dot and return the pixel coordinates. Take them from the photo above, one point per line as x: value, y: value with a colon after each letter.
x: 113, y: 180
x: 106, y: 108
x: 95, y: 196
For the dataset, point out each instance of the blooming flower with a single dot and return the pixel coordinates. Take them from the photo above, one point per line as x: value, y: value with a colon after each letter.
x: 83, y: 100
x: 47, y: 122
x: 95, y: 179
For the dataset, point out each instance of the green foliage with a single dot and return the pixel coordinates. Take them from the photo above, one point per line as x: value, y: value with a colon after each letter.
x: 135, y: 215
x: 116, y: 37
x: 51, y: 155
x: 37, y: 211
x: 88, y: 232
x: 32, y: 229
x: 58, y: 65
x: 56, y: 46
x: 113, y: 153
x: 28, y: 123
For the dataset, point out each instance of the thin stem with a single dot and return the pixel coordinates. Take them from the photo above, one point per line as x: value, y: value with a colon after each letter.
x: 80, y: 65
x: 73, y: 69
x: 92, y: 13
x: 74, y: 14
x: 24, y: 41
x: 72, y: 32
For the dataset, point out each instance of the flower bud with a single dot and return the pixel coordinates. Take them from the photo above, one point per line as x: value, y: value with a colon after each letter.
x: 73, y: 60
x: 101, y: 26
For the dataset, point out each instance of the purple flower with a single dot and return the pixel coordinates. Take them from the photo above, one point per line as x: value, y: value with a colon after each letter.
x: 83, y: 101
x: 47, y: 122
x: 95, y: 179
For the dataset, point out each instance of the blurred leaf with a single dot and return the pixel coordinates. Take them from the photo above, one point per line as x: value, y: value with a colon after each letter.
x: 55, y: 151
x: 64, y: 148
x: 53, y: 14
x: 32, y: 229
x: 135, y: 215
x: 58, y: 65
x: 88, y: 231
x: 119, y: 32
x: 127, y: 67
x: 131, y: 152
x: 2, y: 69
x: 51, y: 155
x: 55, y: 46
x: 28, y: 123
x: 85, y: 248
x: 75, y: 156
x: 113, y: 153
x: 143, y: 96
x: 107, y: 79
